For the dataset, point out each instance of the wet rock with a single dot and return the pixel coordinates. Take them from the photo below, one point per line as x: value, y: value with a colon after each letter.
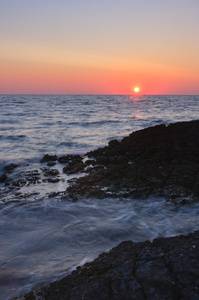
x: 72, y: 180
x: 75, y: 158
x: 74, y: 167
x: 10, y: 168
x: 51, y: 172
x: 51, y: 163
x: 54, y: 194
x: 44, y: 169
x: 48, y: 158
x: 53, y: 180
x: 26, y: 195
x: 167, y: 268
x: 3, y: 178
x: 32, y: 173
x: 18, y: 183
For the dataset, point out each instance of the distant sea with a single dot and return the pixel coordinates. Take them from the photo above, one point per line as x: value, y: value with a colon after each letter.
x: 42, y: 238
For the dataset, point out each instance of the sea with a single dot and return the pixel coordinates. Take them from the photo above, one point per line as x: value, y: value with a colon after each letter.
x: 44, y: 238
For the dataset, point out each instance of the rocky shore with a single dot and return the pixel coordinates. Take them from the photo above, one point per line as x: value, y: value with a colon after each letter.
x: 160, y: 161
x: 167, y: 268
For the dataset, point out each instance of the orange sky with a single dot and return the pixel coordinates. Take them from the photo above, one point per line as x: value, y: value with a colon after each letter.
x: 105, y: 48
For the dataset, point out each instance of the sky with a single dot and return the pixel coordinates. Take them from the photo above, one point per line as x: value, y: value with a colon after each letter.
x: 99, y: 47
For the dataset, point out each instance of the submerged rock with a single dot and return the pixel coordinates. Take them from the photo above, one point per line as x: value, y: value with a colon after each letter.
x: 167, y: 268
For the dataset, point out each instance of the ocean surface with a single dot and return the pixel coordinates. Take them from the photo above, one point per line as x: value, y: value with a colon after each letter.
x: 43, y: 239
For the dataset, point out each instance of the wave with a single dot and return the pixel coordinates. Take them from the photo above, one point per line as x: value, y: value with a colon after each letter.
x: 15, y: 121
x: 81, y: 121
x: 103, y: 122
x: 13, y: 137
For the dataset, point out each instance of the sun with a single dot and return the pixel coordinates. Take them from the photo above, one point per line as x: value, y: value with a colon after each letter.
x: 136, y: 89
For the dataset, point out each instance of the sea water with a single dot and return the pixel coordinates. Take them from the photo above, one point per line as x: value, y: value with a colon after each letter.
x: 43, y: 239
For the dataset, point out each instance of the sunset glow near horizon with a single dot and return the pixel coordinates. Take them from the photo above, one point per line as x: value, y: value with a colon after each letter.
x: 99, y: 47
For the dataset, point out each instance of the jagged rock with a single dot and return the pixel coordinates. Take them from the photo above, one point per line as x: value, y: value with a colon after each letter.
x: 167, y: 268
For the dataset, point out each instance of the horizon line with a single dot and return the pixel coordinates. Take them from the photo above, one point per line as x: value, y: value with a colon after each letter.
x: 85, y: 94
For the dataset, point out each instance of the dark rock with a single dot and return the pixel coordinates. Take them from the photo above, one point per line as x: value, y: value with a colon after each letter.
x: 54, y: 194
x: 48, y: 158
x: 161, y: 160
x: 70, y: 158
x: 72, y: 180
x: 51, y: 172
x: 10, y: 168
x: 167, y: 268
x: 3, y: 178
x: 53, y: 180
x: 32, y: 173
x: 26, y: 195
x: 51, y: 163
x: 89, y: 162
x: 74, y: 167
x: 19, y: 183
x: 114, y: 143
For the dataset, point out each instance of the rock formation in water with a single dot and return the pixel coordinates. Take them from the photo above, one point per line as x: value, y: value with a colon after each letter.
x: 160, y: 161
x: 163, y: 161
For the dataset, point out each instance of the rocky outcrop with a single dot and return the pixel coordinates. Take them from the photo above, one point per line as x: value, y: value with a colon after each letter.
x: 161, y: 160
x: 167, y: 268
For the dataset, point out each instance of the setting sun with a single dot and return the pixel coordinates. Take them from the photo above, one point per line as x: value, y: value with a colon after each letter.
x: 136, y: 89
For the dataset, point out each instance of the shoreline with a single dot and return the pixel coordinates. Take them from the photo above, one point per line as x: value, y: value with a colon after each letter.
x: 167, y: 268
x: 160, y: 161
